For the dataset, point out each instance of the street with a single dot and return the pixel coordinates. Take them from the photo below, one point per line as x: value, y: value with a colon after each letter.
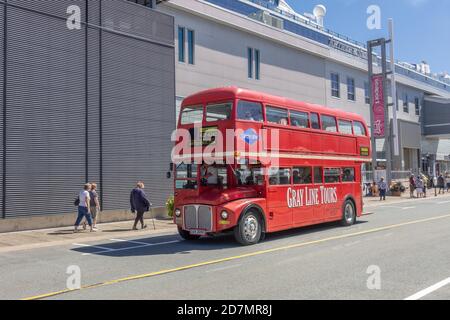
x: 406, y: 245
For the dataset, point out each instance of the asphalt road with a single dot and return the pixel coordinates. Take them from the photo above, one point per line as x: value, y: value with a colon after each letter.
x: 401, y: 251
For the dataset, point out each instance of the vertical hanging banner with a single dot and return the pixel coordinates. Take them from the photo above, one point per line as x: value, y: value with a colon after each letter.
x: 378, y: 106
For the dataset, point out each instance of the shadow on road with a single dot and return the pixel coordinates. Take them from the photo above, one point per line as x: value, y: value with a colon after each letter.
x: 173, y: 244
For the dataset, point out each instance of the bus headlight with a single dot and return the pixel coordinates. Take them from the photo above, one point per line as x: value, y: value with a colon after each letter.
x: 177, y: 213
x: 224, y: 215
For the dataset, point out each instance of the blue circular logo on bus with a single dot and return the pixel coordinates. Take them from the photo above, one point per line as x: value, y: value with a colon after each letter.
x: 250, y: 136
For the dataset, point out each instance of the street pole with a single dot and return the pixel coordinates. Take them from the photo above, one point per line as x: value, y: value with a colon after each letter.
x: 372, y: 121
x: 387, y: 135
x: 393, y: 91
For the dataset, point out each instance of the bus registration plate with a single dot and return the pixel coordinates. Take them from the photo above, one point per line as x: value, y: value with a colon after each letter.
x: 197, y: 232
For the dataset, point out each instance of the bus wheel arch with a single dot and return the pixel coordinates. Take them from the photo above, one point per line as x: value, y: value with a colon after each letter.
x: 349, y: 211
x: 251, y: 226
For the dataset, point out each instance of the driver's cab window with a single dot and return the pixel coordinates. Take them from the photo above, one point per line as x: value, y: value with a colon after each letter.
x: 214, y: 175
x: 249, y: 176
x: 249, y: 111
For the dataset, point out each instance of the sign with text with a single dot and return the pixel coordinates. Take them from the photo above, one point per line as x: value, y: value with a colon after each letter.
x: 378, y: 106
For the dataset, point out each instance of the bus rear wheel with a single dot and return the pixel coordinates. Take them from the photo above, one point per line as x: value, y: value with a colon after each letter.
x: 348, y: 214
x: 186, y: 235
x: 249, y: 229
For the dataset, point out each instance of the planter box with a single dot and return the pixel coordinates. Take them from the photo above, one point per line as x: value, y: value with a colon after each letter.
x: 396, y: 193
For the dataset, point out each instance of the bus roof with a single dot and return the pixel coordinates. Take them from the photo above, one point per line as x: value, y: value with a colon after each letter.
x: 225, y: 93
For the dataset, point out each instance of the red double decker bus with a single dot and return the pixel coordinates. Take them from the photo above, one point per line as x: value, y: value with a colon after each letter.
x: 288, y: 164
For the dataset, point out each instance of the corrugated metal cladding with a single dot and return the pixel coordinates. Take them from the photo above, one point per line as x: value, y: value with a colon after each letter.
x: 2, y: 64
x: 95, y: 103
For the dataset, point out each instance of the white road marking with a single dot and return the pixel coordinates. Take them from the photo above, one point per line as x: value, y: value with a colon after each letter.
x: 130, y: 241
x: 443, y: 202
x: 88, y: 245
x: 407, y: 208
x: 131, y: 248
x: 223, y: 268
x: 429, y: 290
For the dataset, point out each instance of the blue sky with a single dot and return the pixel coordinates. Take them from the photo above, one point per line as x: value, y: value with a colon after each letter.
x: 422, y: 27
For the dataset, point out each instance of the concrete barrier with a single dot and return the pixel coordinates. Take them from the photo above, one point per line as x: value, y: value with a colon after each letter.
x: 66, y: 220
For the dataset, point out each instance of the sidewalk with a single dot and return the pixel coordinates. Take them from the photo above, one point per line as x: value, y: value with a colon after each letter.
x: 25, y: 240
x: 372, y: 202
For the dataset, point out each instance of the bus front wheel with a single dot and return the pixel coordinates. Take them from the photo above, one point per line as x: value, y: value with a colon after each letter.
x: 249, y: 229
x: 349, y: 214
x: 186, y: 235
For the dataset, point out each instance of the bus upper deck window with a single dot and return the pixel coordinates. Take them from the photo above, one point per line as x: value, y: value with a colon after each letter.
x: 190, y: 115
x: 329, y: 124
x: 218, y: 112
x: 359, y: 129
x: 299, y: 119
x: 315, y: 121
x: 250, y: 111
x: 277, y: 115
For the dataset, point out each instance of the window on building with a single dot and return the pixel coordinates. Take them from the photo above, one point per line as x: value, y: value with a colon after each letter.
x: 367, y: 92
x: 181, y: 41
x: 302, y: 175
x: 279, y: 176
x: 315, y: 124
x: 345, y: 127
x: 218, y: 112
x: 405, y: 103
x: 335, y: 85
x: 329, y: 123
x: 257, y: 64
x: 299, y: 119
x: 351, y: 92
x: 191, y: 46
x: 417, y: 106
x: 359, y: 129
x: 191, y: 115
x: 250, y: 111
x: 277, y: 115
x: 250, y: 62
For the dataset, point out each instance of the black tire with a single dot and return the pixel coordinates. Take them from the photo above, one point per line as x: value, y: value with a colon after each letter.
x: 348, y: 214
x: 186, y: 235
x: 248, y: 231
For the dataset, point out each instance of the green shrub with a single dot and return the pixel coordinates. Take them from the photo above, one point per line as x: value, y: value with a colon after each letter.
x: 170, y: 206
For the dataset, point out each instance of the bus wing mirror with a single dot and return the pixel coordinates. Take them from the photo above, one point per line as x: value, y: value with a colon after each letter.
x: 169, y: 175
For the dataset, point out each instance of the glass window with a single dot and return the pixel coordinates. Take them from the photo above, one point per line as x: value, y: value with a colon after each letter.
x: 250, y: 111
x: 186, y: 171
x: 335, y: 85
x: 302, y: 175
x: 249, y: 176
x: 405, y: 103
x: 214, y: 175
x: 348, y: 175
x: 181, y: 40
x: 191, y: 115
x: 191, y: 46
x: 417, y: 106
x: 345, y: 127
x: 257, y: 64
x: 351, y: 94
x: 332, y: 175
x: 250, y: 62
x: 318, y: 177
x: 218, y: 112
x: 359, y: 129
x: 367, y: 92
x: 315, y: 121
x: 277, y: 115
x: 186, y: 184
x: 299, y: 119
x: 279, y: 176
x: 329, y: 124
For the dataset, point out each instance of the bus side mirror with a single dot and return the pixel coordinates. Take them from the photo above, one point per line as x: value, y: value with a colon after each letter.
x: 169, y: 175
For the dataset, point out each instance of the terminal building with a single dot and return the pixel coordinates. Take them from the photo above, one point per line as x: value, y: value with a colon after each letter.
x: 265, y: 45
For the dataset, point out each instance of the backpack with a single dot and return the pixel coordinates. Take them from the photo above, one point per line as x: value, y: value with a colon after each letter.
x: 76, y: 203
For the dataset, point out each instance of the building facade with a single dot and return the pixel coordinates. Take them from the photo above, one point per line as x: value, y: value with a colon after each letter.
x: 93, y: 103
x: 265, y: 46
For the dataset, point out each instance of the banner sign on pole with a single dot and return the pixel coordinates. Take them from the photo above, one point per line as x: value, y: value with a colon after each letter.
x: 378, y: 106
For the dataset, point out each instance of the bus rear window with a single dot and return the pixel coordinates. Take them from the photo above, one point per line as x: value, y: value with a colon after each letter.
x: 359, y: 129
x: 190, y: 115
x: 249, y: 111
x: 218, y: 112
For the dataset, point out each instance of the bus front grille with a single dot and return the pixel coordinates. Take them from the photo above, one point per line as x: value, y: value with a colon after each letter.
x: 198, y: 217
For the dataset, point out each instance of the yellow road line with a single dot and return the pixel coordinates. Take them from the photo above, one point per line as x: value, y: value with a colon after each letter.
x: 247, y: 255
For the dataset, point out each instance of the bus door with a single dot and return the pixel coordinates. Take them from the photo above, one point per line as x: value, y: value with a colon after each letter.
x: 278, y: 185
x: 302, y: 210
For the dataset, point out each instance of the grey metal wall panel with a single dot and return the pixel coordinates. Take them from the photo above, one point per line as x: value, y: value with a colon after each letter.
x: 410, y: 134
x: 132, y: 19
x: 45, y: 115
x: 138, y: 113
x: 436, y: 117
x: 52, y: 7
x: 2, y: 106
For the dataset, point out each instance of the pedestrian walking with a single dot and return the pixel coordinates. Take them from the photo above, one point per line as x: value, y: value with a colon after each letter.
x: 412, y: 185
x: 441, y: 183
x: 84, y: 210
x: 139, y: 204
x: 94, y: 204
x: 382, y: 186
x: 419, y: 187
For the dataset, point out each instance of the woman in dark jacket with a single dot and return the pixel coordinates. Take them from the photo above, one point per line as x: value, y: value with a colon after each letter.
x: 139, y: 204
